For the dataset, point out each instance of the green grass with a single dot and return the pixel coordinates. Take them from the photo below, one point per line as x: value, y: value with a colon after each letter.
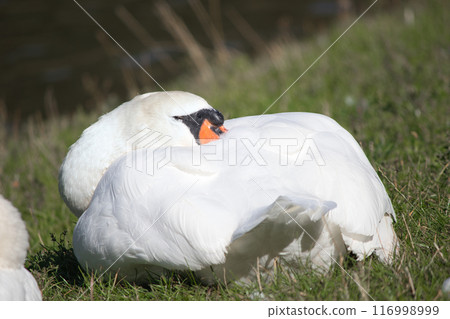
x: 386, y: 81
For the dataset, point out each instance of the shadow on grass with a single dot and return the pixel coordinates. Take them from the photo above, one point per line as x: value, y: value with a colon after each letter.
x: 61, y: 272
x: 58, y: 261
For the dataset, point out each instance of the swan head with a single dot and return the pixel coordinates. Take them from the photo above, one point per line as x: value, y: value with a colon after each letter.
x: 183, y: 118
x: 150, y: 121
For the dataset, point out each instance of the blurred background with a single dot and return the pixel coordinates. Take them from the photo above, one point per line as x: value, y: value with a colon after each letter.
x: 55, y: 59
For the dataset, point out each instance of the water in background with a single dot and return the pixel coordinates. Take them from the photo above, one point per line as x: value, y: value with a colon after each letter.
x: 54, y: 58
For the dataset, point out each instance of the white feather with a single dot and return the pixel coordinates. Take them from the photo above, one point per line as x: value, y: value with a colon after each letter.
x: 16, y: 283
x: 110, y: 137
x: 174, y: 219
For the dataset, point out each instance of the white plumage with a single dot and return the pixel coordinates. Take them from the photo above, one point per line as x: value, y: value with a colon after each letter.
x: 295, y: 185
x: 107, y: 139
x: 16, y: 283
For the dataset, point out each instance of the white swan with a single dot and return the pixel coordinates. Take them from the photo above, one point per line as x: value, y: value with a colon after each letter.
x: 113, y: 135
x: 295, y: 185
x: 16, y: 283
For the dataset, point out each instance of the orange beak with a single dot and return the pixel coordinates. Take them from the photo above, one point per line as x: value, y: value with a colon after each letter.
x: 223, y: 129
x: 207, y: 134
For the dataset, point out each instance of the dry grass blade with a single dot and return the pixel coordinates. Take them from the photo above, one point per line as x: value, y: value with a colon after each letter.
x: 113, y: 50
x: 258, y: 274
x: 91, y: 287
x: 180, y: 32
x: 142, y: 34
x: 409, y: 233
x: 362, y: 290
x: 411, y: 283
x: 248, y: 32
x: 211, y: 30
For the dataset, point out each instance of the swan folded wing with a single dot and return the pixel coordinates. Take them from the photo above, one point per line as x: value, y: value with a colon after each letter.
x: 333, y: 167
x: 192, y: 237
x: 289, y: 221
x: 286, y: 210
x: 192, y: 227
x: 154, y: 217
x: 344, y: 175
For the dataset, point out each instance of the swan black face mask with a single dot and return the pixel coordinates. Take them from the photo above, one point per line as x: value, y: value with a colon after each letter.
x: 205, y: 125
